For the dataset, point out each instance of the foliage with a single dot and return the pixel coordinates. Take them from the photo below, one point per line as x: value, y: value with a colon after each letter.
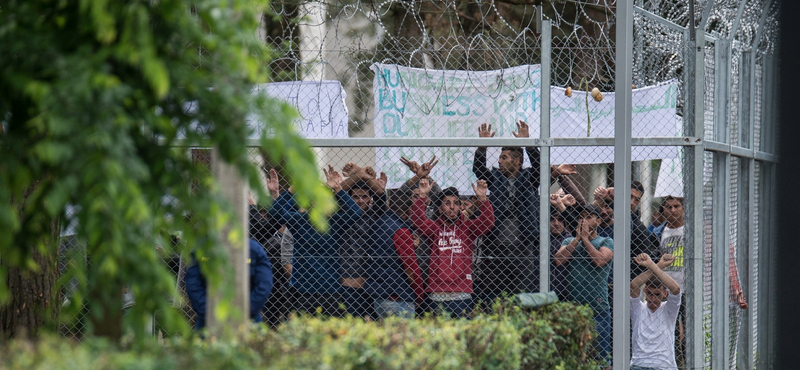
x: 554, y: 336
x: 431, y: 343
x: 95, y: 97
x: 515, y: 339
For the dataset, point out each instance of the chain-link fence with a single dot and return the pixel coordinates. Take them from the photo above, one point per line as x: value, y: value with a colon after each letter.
x: 416, y: 235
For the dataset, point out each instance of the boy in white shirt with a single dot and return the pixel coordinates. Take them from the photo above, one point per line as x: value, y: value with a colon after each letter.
x: 653, y: 321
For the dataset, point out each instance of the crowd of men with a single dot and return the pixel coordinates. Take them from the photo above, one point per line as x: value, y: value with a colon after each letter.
x: 422, y: 248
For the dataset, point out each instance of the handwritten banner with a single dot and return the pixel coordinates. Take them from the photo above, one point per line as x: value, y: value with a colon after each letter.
x: 323, y: 113
x: 414, y: 102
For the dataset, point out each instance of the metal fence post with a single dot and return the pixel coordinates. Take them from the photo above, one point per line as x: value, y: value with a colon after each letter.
x: 544, y: 187
x: 694, y: 246
x: 721, y: 228
x: 622, y: 190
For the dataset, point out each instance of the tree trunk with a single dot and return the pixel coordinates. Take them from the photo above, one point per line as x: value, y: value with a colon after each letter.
x: 34, y: 300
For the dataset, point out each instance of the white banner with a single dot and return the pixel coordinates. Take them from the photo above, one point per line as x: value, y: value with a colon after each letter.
x: 413, y: 102
x: 323, y: 113
x: 670, y: 174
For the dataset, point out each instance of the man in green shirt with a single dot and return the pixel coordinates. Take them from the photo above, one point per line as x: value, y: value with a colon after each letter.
x: 588, y: 260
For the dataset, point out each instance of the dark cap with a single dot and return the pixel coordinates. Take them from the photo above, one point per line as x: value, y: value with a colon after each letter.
x: 588, y: 208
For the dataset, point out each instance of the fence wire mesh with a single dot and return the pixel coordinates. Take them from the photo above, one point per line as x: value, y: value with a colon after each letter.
x: 397, y: 247
x: 708, y: 248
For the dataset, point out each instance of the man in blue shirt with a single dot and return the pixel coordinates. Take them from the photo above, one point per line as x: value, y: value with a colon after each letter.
x: 260, y: 285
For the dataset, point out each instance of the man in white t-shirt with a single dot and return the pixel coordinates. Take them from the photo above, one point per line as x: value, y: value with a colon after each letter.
x: 670, y: 234
x: 653, y: 321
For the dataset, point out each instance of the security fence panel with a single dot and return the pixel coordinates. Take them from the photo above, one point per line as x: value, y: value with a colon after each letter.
x: 470, y: 148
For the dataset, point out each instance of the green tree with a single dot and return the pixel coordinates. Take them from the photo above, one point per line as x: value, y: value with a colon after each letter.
x: 94, y: 99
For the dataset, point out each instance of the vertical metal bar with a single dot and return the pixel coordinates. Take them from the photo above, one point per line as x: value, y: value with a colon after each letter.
x: 765, y: 310
x: 769, y: 121
x: 622, y: 178
x: 745, y: 100
x: 694, y: 249
x: 538, y: 19
x: 722, y: 56
x: 544, y: 133
x: 744, y: 206
x: 749, y: 287
x: 720, y: 244
x: 766, y: 272
x: 721, y: 227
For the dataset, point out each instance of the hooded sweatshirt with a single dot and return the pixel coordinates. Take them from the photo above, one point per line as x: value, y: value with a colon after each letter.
x: 451, y: 247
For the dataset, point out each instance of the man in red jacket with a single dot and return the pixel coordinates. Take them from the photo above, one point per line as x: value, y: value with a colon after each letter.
x: 449, y: 285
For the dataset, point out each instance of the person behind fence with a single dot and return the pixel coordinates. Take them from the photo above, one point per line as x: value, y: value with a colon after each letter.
x: 670, y: 234
x: 449, y: 285
x: 260, y: 284
x: 587, y: 257
x: 393, y: 276
x: 558, y: 233
x: 508, y: 257
x: 422, y: 171
x: 315, y: 278
x: 423, y: 248
x: 566, y: 205
x: 269, y: 234
x: 653, y: 321
x: 642, y: 241
x: 368, y: 193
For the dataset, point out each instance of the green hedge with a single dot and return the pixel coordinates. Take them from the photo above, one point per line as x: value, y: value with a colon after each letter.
x: 550, y: 337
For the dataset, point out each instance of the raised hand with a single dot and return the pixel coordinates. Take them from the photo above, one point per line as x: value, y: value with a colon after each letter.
x: 583, y: 229
x: 273, y: 185
x: 369, y: 171
x: 350, y: 169
x: 555, y: 201
x: 666, y: 260
x: 568, y: 200
x: 644, y: 259
x: 413, y: 166
x: 424, y: 187
x: 600, y: 192
x: 566, y: 169
x: 522, y: 129
x: 480, y: 189
x: 333, y: 179
x: 426, y: 167
x: 485, y: 130
x: 603, y: 193
x: 382, y: 180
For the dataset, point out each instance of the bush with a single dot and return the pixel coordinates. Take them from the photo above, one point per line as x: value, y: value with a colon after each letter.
x: 554, y: 336
x: 550, y: 337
